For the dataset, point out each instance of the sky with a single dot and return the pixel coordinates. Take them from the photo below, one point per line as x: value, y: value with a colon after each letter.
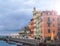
x: 15, y: 14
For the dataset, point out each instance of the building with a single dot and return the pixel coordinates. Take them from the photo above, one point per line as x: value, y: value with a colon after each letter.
x: 58, y: 33
x: 44, y: 24
x: 24, y: 32
x: 49, y: 24
x: 31, y: 27
x: 35, y: 23
x: 15, y: 35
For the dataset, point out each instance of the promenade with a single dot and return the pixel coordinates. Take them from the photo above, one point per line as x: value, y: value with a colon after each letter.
x: 33, y: 42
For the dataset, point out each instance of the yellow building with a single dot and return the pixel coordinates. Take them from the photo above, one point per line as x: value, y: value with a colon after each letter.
x: 35, y: 26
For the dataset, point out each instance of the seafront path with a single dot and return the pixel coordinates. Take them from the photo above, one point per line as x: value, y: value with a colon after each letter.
x: 32, y: 42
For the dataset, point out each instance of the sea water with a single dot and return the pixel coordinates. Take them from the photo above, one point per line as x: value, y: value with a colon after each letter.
x: 3, y: 43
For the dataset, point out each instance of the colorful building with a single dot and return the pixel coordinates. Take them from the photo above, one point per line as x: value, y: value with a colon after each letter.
x: 31, y: 27
x: 44, y: 24
x: 49, y: 24
x: 35, y: 23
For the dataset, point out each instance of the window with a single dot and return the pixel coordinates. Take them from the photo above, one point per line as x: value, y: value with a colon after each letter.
x: 41, y: 31
x: 48, y: 19
x: 32, y: 23
x: 48, y: 30
x: 53, y: 25
x: 48, y: 22
x: 53, y: 31
x: 58, y: 18
x: 59, y: 29
x: 32, y: 19
x: 48, y: 13
x: 53, y: 19
x: 31, y: 32
x: 34, y: 26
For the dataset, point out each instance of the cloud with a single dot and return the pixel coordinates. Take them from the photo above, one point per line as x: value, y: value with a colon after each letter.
x: 15, y: 14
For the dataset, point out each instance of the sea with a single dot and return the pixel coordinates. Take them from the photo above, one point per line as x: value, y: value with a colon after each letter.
x: 3, y: 43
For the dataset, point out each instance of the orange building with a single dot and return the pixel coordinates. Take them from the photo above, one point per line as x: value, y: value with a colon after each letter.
x: 44, y: 24
x: 49, y: 24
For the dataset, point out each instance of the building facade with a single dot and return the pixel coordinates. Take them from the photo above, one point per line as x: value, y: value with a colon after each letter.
x: 44, y: 24
x: 24, y: 32
x: 49, y: 24
x: 31, y: 27
x: 58, y: 33
x: 35, y: 23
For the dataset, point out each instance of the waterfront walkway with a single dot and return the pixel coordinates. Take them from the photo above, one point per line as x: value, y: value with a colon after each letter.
x: 32, y: 42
